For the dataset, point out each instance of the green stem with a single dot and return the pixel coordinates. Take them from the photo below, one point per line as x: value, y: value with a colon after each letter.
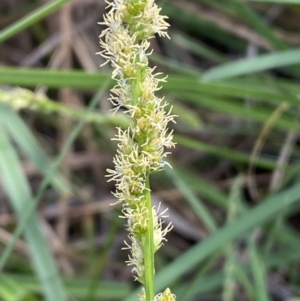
x: 30, y: 19
x: 149, y: 249
x: 148, y: 243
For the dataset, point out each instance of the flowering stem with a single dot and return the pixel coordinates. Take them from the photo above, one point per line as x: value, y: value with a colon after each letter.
x: 149, y: 248
x: 149, y: 237
x: 141, y: 148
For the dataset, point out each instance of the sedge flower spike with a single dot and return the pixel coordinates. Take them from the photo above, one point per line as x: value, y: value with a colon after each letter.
x: 141, y: 147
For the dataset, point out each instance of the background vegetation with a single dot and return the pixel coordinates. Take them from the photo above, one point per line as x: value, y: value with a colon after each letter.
x: 233, y: 194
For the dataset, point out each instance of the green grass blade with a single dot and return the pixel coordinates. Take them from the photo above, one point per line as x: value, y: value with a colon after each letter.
x: 175, y: 66
x: 98, y: 262
x: 18, y: 129
x: 198, y: 48
x: 204, y: 188
x: 252, y: 18
x: 196, y: 204
x: 47, y: 106
x: 254, y: 217
x: 213, y: 282
x: 234, y: 272
x: 252, y: 65
x: 175, y: 84
x: 52, y: 78
x: 230, y: 265
x: 277, y: 1
x: 18, y: 191
x: 286, y: 237
x: 12, y: 290
x: 258, y: 272
x: 106, y: 290
x: 188, y: 289
x: 30, y: 19
x: 180, y: 84
x: 47, y: 180
x: 228, y: 153
x: 236, y: 108
x: 203, y: 28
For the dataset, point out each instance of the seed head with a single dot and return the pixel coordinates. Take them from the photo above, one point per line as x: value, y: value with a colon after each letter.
x: 141, y: 147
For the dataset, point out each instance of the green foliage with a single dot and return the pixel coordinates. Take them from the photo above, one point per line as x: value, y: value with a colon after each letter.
x: 229, y: 126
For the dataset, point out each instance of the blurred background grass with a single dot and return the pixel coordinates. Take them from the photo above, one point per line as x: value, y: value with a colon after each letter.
x: 234, y: 69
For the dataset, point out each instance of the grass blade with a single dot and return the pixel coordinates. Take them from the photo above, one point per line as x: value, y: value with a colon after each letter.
x: 246, y: 13
x: 11, y: 290
x: 197, y: 205
x: 30, y: 19
x: 252, y: 65
x: 278, y: 1
x: 254, y: 217
x: 18, y: 191
x: 175, y: 84
x: 106, y: 290
x: 18, y: 129
x: 258, y: 271
x: 31, y: 207
x: 225, y: 152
